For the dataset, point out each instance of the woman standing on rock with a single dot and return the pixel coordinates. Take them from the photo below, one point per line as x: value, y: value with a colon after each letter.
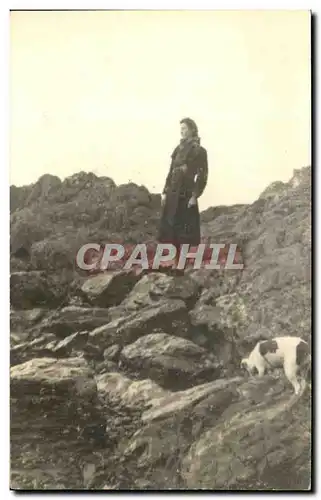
x: 185, y: 182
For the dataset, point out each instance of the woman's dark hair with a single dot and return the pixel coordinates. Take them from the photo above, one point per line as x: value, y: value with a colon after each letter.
x: 191, y: 125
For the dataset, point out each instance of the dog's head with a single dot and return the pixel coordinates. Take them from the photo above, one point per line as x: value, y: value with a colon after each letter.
x: 247, y: 367
x: 244, y: 364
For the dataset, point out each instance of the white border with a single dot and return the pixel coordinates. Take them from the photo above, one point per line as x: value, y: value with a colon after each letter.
x: 5, y: 5
x: 4, y: 211
x: 162, y: 5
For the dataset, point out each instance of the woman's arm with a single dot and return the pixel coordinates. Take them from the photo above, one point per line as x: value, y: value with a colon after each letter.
x: 202, y: 173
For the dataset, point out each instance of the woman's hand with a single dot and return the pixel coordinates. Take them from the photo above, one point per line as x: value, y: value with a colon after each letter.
x: 183, y: 168
x: 163, y: 199
x: 192, y: 201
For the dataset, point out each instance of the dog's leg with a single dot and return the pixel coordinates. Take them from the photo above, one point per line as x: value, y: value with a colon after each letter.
x: 260, y: 366
x: 303, y: 385
x: 290, y: 369
x: 304, y: 370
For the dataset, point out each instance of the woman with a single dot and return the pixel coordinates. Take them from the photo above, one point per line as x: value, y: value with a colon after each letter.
x: 185, y: 182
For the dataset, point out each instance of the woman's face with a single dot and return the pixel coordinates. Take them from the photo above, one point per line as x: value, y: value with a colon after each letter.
x: 185, y: 131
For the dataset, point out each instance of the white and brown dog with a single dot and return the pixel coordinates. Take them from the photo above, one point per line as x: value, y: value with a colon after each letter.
x: 292, y: 353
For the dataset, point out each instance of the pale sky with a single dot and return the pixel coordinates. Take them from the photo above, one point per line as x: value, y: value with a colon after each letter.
x: 105, y: 91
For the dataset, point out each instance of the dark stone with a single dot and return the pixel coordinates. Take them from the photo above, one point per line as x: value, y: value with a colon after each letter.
x: 22, y: 253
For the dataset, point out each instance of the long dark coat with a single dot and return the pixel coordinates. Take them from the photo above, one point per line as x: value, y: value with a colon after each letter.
x: 180, y: 224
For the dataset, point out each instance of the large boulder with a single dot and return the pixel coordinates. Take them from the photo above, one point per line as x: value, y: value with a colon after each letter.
x: 166, y: 315
x: 156, y: 286
x: 71, y: 319
x: 263, y: 446
x: 229, y: 434
x: 35, y: 288
x: 152, y: 458
x: 110, y: 288
x: 192, y: 399
x: 55, y: 418
x: 173, y: 362
x: 116, y: 387
x: 47, y: 345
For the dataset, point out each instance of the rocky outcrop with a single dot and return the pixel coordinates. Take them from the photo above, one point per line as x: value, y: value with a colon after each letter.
x: 35, y: 288
x: 273, y: 296
x: 266, y: 446
x: 174, y: 363
x: 47, y: 345
x: 156, y: 286
x: 116, y: 387
x: 241, y: 439
x: 109, y: 289
x: 169, y: 315
x: 71, y: 319
x: 132, y: 380
x: 54, y: 413
x: 25, y: 351
x: 51, y: 220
